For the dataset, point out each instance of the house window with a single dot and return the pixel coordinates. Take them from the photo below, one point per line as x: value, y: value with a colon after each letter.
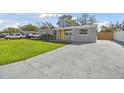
x: 68, y: 33
x: 68, y: 30
x: 83, y: 31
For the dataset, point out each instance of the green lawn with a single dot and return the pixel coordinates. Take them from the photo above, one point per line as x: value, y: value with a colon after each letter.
x: 16, y: 50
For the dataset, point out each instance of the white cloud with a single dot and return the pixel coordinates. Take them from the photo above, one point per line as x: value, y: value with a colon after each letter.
x: 1, y: 21
x: 13, y: 25
x: 44, y: 15
x: 73, y: 18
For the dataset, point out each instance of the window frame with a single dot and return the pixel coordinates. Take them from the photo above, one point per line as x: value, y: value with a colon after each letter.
x: 84, y: 29
x: 68, y: 32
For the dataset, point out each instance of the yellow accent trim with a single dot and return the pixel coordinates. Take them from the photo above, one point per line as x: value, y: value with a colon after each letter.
x: 62, y: 34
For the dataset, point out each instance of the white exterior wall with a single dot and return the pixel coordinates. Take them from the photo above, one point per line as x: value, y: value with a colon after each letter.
x: 119, y: 36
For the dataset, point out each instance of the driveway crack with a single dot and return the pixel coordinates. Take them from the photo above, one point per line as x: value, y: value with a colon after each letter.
x: 36, y: 69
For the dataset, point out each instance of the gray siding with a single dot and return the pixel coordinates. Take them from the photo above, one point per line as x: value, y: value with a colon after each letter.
x: 90, y: 37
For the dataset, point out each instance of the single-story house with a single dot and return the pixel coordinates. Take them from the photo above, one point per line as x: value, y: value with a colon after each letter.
x: 85, y: 33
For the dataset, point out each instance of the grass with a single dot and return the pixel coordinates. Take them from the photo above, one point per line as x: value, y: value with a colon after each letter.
x: 17, y: 50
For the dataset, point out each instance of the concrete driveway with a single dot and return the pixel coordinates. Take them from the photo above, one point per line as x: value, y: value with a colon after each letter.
x: 104, y: 59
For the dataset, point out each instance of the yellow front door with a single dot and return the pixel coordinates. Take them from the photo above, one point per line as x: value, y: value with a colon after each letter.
x: 62, y: 34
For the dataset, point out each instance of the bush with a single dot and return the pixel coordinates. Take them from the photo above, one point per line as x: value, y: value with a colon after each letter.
x: 109, y: 29
x: 47, y: 37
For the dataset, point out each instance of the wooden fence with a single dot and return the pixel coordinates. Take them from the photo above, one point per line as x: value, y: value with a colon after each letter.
x: 105, y: 35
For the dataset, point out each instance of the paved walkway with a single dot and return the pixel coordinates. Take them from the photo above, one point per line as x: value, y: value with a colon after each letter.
x: 104, y: 59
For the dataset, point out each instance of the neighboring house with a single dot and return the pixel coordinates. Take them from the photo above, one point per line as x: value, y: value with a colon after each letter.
x: 85, y: 33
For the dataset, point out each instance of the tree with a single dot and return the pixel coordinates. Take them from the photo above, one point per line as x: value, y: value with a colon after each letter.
x: 45, y: 25
x: 108, y: 29
x: 10, y: 30
x: 112, y: 27
x: 86, y: 19
x: 118, y: 26
x: 28, y: 27
x: 83, y: 19
x: 66, y: 21
x: 92, y: 19
x: 122, y: 25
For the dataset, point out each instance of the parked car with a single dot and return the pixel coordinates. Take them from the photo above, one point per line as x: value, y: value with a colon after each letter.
x: 33, y: 35
x: 14, y: 36
x: 1, y: 36
x: 23, y: 35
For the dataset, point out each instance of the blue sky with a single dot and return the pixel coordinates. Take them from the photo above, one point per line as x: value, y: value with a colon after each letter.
x: 15, y: 19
